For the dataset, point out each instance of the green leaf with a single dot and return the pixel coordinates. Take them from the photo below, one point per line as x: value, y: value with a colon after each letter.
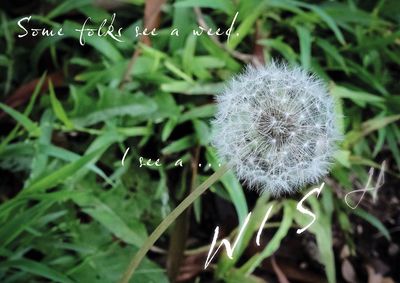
x: 67, y: 6
x: 328, y: 20
x: 104, y: 45
x: 223, y: 5
x: 324, y: 237
x: 35, y: 94
x: 179, y: 145
x: 218, y: 52
x: 322, y: 229
x: 291, y: 6
x: 182, y: 19
x: 394, y: 146
x: 203, y: 132
x: 178, y: 72
x: 70, y: 156
x: 168, y: 128
x: 108, y: 263
x: 61, y: 174
x: 305, y: 46
x: 40, y: 160
x: 332, y: 51
x: 17, y: 223
x: 373, y: 221
x: 281, y: 47
x: 58, y: 108
x: 203, y: 111
x: 378, y: 123
x: 342, y: 156
x: 37, y: 268
x: 246, y: 26
x: 232, y: 186
x: 274, y: 244
x: 30, y: 126
x: 185, y: 87
x: 358, y: 97
x: 111, y: 220
x: 114, y: 104
x: 237, y: 276
x: 188, y: 53
x: 225, y: 264
x: 380, y: 142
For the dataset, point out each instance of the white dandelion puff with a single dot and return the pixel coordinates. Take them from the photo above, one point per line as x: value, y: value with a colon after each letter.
x: 276, y: 126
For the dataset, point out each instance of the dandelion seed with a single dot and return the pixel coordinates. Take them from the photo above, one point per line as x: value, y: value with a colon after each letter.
x: 276, y: 126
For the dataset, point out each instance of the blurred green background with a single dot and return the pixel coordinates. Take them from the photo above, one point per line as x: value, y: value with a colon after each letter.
x: 70, y: 212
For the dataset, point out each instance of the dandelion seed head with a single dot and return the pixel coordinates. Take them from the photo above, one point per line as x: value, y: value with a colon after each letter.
x: 276, y: 126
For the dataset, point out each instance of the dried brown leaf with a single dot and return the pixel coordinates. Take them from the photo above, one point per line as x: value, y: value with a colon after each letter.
x: 348, y: 272
x: 278, y: 272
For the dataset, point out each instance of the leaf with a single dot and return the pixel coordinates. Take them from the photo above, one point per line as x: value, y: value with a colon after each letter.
x: 30, y: 126
x: 14, y: 226
x: 373, y: 221
x: 58, y: 108
x: 70, y: 156
x: 166, y: 106
x: 109, y: 263
x: 281, y: 47
x: 184, y: 87
x: 378, y: 123
x: 332, y: 51
x: 203, y: 132
x: 151, y: 20
x: 322, y: 229
x: 115, y: 104
x: 348, y: 272
x: 225, y: 264
x: 178, y: 72
x: 40, y: 160
x: 232, y: 185
x: 236, y: 276
x: 67, y: 6
x: 37, y: 268
x: 61, y: 174
x: 394, y: 148
x: 281, y: 276
x: 291, y: 6
x: 324, y: 242
x: 223, y: 5
x: 168, y: 128
x: 188, y: 53
x: 135, y: 131
x: 179, y: 145
x: 37, y: 85
x: 220, y: 53
x: 203, y: 111
x: 182, y: 19
x: 344, y: 15
x: 327, y: 19
x: 246, y: 25
x: 206, y: 62
x: 102, y: 44
x: 370, y: 79
x: 275, y: 242
x: 305, y: 46
x: 110, y: 220
x: 358, y: 97
x: 35, y: 94
x: 342, y: 156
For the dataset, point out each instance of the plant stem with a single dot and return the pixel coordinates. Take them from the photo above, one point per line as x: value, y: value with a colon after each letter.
x: 169, y: 220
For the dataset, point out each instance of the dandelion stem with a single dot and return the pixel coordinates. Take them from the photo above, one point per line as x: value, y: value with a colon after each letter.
x: 137, y: 258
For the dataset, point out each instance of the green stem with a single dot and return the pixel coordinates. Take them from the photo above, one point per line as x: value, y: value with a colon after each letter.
x: 169, y: 220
